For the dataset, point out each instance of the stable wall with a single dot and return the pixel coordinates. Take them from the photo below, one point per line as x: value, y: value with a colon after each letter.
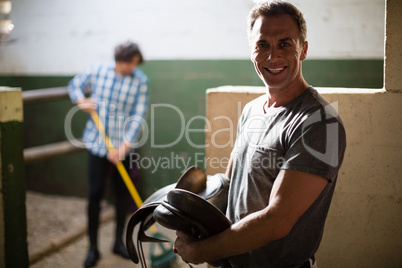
x: 363, y: 225
x: 181, y: 84
x: 65, y: 37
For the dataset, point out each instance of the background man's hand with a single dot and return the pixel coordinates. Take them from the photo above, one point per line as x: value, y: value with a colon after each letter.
x: 113, y: 157
x: 119, y: 154
x: 88, y: 105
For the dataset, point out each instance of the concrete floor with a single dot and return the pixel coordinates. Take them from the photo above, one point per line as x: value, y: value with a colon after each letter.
x: 52, y: 219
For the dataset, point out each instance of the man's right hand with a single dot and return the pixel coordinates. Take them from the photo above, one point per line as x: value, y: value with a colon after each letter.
x: 88, y: 105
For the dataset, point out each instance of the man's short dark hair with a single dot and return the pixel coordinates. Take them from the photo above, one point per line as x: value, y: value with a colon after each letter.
x: 126, y: 51
x: 277, y: 8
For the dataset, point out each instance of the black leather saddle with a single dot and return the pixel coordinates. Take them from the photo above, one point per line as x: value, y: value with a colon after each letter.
x: 195, y: 204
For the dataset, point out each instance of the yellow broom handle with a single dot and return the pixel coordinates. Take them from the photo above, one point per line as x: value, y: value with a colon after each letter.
x: 120, y: 167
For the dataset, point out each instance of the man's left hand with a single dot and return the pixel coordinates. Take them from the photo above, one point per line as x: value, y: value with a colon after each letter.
x: 113, y: 157
x: 186, y: 247
x: 119, y: 154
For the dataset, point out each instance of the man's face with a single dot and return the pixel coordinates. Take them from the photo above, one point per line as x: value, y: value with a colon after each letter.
x: 277, y: 52
x: 126, y: 68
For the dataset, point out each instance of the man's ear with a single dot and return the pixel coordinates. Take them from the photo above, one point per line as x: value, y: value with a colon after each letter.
x: 136, y: 59
x: 303, y: 55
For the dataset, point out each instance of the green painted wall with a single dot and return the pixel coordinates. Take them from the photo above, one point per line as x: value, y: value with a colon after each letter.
x: 180, y: 83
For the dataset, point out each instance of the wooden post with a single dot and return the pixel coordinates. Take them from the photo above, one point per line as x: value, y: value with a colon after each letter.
x: 13, y: 226
x: 393, y: 46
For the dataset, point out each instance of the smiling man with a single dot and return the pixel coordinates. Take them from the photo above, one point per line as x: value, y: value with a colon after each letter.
x: 284, y: 165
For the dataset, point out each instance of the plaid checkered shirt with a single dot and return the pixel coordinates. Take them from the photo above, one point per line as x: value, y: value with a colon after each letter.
x: 122, y: 102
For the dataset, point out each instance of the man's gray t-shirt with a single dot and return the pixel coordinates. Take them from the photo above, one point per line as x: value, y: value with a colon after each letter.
x: 305, y: 135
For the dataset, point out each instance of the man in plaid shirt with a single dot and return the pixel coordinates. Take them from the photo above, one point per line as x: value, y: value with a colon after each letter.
x: 119, y: 94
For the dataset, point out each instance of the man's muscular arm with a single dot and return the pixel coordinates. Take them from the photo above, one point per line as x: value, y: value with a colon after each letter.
x: 292, y: 194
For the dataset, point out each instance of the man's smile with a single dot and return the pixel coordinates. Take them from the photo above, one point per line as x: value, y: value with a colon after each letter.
x: 275, y: 70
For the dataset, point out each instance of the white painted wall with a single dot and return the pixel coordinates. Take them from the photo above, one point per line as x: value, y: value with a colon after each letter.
x: 64, y: 37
